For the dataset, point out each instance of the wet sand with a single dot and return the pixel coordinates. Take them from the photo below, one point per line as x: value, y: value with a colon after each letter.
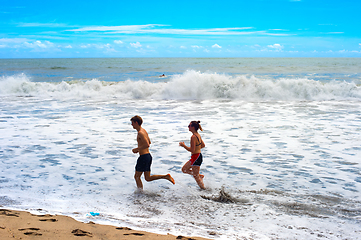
x: 24, y: 225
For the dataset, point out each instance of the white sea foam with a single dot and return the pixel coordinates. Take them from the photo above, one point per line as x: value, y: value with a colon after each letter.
x: 191, y: 85
x: 290, y: 170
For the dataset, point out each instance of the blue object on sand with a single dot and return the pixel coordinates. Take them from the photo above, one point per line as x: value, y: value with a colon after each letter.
x: 94, y: 214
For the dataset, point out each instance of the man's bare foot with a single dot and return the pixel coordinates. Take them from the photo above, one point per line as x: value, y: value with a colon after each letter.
x: 169, y: 177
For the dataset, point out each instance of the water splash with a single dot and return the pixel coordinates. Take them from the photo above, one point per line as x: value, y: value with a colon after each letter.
x: 191, y: 85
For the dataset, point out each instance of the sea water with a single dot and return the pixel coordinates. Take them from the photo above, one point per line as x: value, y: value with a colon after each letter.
x: 282, y: 156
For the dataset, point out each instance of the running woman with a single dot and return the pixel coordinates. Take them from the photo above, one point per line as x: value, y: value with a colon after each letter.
x: 192, y: 167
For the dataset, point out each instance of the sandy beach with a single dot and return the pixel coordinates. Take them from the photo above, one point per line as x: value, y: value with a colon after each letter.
x: 24, y: 225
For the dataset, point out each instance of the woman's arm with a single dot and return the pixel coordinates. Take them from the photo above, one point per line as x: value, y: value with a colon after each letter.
x: 203, y: 144
x: 192, y: 148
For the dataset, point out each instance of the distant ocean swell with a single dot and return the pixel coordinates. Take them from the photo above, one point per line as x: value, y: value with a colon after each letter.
x: 191, y: 85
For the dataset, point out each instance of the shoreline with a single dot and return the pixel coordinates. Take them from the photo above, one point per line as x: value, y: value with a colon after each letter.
x: 16, y: 224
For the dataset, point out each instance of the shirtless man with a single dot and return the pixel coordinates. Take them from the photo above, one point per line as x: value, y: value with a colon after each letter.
x: 145, y: 159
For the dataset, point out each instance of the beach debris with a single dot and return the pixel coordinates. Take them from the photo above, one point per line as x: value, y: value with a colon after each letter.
x: 186, y: 238
x: 79, y: 232
x: 136, y: 234
x: 94, y: 214
x: 48, y: 220
x: 31, y: 232
x: 33, y: 229
x: 223, y: 197
x: 123, y: 228
x: 8, y: 213
x: 44, y: 215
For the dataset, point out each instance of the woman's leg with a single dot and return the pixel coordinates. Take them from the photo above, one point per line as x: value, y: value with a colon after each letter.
x: 198, y: 177
x: 187, y: 168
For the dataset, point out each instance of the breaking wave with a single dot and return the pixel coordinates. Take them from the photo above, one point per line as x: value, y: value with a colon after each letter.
x: 191, y: 85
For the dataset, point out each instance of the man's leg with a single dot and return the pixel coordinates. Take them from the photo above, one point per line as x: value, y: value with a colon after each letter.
x: 150, y: 178
x: 138, y: 181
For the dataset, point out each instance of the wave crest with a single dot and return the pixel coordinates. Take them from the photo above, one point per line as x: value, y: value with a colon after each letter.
x: 191, y: 85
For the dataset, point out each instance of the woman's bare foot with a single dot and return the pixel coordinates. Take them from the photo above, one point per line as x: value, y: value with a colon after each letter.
x: 201, y: 185
x: 199, y: 180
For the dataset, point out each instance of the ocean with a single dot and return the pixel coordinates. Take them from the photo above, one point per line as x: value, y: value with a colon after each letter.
x: 282, y: 156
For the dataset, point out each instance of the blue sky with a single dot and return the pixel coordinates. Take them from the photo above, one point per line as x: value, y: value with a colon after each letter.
x: 251, y: 28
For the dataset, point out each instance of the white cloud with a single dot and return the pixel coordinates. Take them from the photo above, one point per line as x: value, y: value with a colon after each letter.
x: 183, y: 47
x: 124, y: 29
x: 51, y: 25
x: 136, y: 45
x: 349, y: 51
x: 335, y: 33
x: 38, y: 44
x: 161, y: 29
x: 216, y: 46
x: 25, y: 43
x: 118, y: 42
x: 99, y: 46
x: 12, y: 40
x: 276, y: 46
x: 195, y: 46
x: 277, y: 34
x: 69, y: 46
x: 110, y: 50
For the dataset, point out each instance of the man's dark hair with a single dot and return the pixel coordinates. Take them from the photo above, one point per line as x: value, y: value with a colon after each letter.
x: 137, y: 119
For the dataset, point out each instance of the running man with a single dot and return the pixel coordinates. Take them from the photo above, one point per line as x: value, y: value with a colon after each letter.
x: 145, y: 159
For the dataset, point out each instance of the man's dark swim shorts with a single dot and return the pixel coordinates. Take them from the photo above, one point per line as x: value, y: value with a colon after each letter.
x: 143, y: 163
